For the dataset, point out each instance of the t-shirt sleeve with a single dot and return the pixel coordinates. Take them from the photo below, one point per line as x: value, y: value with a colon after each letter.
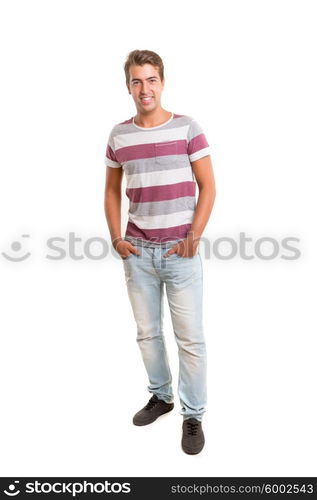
x: 110, y: 156
x: 197, y: 145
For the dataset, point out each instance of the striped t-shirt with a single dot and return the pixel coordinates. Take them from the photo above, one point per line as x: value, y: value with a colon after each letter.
x: 160, y: 182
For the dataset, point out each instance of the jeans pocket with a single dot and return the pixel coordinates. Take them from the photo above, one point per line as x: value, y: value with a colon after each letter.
x: 127, y: 257
x: 186, y: 258
x: 176, y: 256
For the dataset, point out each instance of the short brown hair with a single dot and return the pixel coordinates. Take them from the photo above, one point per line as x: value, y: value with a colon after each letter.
x: 140, y: 57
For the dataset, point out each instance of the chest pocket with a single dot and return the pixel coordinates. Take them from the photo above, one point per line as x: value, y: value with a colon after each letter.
x: 166, y: 153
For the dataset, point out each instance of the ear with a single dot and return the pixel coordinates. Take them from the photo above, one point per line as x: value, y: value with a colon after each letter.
x: 128, y: 88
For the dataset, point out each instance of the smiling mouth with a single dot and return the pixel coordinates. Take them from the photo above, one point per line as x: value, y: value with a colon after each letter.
x: 146, y: 99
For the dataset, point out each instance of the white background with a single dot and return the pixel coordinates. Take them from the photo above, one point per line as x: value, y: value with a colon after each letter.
x: 71, y: 371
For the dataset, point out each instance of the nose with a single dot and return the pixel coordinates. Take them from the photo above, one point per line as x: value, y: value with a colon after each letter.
x: 145, y: 88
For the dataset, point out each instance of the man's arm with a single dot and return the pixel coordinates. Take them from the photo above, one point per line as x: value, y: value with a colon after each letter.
x: 204, y: 175
x: 112, y: 203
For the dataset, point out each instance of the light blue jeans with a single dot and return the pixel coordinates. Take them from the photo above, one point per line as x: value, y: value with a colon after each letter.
x: 145, y: 276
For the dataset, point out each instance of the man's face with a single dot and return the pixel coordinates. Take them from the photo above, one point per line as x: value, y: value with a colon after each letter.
x: 146, y: 87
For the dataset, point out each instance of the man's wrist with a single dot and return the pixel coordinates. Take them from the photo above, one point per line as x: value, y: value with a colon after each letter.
x: 193, y: 236
x: 115, y: 241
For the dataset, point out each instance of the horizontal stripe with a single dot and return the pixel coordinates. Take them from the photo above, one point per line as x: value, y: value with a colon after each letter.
x: 200, y: 154
x: 159, y: 193
x: 151, y: 136
x: 151, y: 150
x: 163, y: 207
x: 111, y: 163
x: 150, y: 165
x: 140, y: 241
x: 165, y: 220
x: 160, y: 177
x: 159, y: 234
x: 110, y: 153
x: 195, y: 144
x: 126, y: 121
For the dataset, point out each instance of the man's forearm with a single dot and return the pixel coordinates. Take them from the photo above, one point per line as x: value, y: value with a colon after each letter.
x: 203, y: 210
x: 113, y: 215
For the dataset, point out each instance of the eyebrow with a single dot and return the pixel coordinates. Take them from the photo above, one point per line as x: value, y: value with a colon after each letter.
x: 139, y: 79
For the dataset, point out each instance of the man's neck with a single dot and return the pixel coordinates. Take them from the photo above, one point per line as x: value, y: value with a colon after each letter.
x: 152, y: 119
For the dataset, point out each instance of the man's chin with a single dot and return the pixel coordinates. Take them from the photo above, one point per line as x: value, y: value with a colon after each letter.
x: 144, y: 109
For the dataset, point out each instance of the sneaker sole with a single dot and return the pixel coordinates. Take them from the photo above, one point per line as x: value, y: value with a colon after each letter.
x: 191, y: 452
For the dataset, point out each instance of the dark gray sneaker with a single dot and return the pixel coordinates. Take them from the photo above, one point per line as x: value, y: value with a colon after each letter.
x: 193, y: 439
x: 151, y: 411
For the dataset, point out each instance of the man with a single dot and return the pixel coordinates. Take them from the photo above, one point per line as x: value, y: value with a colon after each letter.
x: 163, y: 155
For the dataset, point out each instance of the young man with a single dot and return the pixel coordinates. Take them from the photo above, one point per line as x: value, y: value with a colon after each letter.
x: 162, y: 153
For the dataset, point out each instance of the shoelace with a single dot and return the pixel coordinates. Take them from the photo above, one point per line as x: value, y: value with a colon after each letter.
x: 192, y: 428
x: 151, y: 403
